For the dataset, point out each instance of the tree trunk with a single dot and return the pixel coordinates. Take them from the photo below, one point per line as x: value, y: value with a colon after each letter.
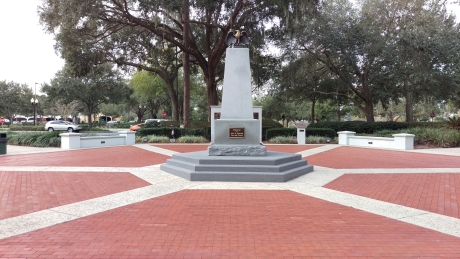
x: 186, y: 65
x: 313, y: 102
x: 369, y: 111
x: 90, y: 116
x: 409, y: 105
x: 173, y: 94
x: 211, y: 89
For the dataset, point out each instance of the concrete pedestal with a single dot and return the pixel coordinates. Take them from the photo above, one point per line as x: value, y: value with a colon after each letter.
x: 273, y: 167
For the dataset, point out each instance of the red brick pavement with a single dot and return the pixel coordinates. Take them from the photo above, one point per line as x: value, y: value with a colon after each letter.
x: 26, y: 192
x: 290, y: 148
x: 353, y: 157
x: 278, y: 148
x: 438, y: 193
x: 181, y: 148
x: 125, y: 156
x: 232, y: 224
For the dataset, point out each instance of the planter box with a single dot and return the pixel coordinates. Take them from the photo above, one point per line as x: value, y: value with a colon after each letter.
x: 402, y: 141
x: 75, y: 141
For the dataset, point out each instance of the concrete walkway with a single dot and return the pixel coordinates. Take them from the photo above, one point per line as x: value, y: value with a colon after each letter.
x: 116, y: 203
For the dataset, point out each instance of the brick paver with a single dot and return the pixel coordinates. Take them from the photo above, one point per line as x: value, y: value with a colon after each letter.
x: 438, y: 193
x: 232, y: 224
x: 124, y: 156
x: 353, y: 157
x: 278, y: 148
x: 26, y: 192
x: 181, y: 148
x: 290, y: 148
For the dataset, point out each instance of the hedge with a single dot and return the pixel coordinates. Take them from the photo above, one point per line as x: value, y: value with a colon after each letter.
x: 20, y: 127
x: 362, y: 127
x: 178, y: 132
x: 292, y: 132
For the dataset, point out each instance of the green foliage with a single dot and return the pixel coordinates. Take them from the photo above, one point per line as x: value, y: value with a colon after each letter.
x: 200, y: 124
x: 430, y: 125
x: 292, y: 132
x: 431, y: 137
x: 25, y: 127
x: 284, y: 132
x: 320, y: 140
x: 152, y: 139
x: 178, y: 132
x: 192, y: 139
x: 327, y: 133
x: 359, y: 126
x: 283, y: 140
x: 266, y: 122
x: 15, y: 99
x: 101, y: 84
x: 454, y: 123
x: 35, y: 139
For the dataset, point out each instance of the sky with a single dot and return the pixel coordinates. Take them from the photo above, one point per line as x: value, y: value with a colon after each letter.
x: 27, y: 54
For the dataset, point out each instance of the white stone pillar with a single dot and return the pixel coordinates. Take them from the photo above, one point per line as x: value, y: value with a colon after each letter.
x: 404, y: 141
x: 70, y: 140
x: 301, y: 135
x: 343, y: 136
x: 130, y: 137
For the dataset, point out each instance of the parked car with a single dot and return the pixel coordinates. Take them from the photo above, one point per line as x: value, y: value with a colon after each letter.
x: 62, y: 125
x: 112, y: 122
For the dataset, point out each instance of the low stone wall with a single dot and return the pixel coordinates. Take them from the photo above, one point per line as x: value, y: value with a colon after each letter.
x: 76, y: 141
x: 402, y: 141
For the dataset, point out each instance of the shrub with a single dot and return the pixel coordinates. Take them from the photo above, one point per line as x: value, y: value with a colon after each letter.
x: 152, y: 139
x: 191, y: 139
x: 320, y: 140
x: 454, y: 123
x: 275, y: 132
x: 25, y: 127
x: 271, y: 123
x: 359, y: 126
x: 200, y: 124
x: 178, y: 132
x: 283, y: 140
x: 429, y: 137
x: 35, y: 139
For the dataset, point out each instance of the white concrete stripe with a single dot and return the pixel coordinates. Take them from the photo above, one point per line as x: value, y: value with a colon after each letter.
x: 66, y: 169
x: 318, y: 150
x: 158, y: 150
x: 429, y: 220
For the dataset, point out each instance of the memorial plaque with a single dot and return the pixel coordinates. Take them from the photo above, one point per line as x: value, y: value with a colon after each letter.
x: 236, y: 132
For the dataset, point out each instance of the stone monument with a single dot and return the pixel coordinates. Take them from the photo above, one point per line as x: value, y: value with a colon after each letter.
x: 237, y: 154
x: 237, y: 133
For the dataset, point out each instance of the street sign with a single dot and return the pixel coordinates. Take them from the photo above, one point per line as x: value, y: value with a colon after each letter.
x: 2, y: 120
x: 163, y: 115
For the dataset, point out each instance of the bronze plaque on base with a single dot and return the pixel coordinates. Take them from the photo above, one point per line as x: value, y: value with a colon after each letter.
x: 236, y: 132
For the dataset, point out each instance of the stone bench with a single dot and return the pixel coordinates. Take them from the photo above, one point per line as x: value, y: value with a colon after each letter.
x: 76, y: 141
x: 401, y: 141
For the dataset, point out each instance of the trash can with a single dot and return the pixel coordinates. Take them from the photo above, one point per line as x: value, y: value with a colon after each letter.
x: 3, y: 143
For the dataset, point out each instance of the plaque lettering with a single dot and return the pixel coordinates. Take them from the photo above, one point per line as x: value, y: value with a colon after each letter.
x: 236, y: 132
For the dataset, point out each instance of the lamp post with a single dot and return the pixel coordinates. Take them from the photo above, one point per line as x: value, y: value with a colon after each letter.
x: 34, y: 102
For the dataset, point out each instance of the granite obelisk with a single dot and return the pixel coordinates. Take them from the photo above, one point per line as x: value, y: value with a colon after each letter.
x: 237, y: 133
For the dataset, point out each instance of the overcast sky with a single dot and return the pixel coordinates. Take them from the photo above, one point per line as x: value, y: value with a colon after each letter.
x: 26, y: 51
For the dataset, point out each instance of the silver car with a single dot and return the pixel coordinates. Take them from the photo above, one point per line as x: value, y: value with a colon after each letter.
x: 62, y: 125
